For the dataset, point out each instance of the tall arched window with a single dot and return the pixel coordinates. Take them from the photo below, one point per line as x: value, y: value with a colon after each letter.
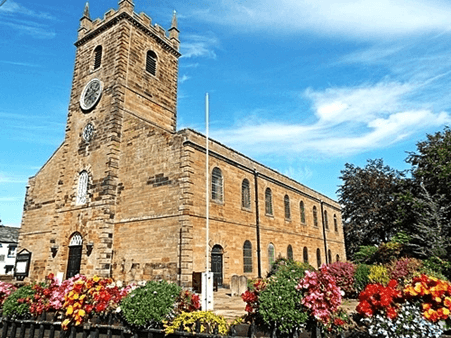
x: 302, y: 208
x: 286, y: 202
x: 305, y: 255
x: 82, y: 190
x: 271, y: 255
x: 315, y: 216
x: 290, y: 252
x: 318, y: 258
x: 329, y: 255
x: 97, y: 57
x: 151, y: 62
x: 245, y: 194
x: 337, y: 258
x: 335, y: 223
x: 247, y: 256
x: 216, y: 185
x: 326, y: 222
x: 268, y: 201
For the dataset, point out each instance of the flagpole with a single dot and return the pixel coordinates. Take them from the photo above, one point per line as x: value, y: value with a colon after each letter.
x: 207, y: 190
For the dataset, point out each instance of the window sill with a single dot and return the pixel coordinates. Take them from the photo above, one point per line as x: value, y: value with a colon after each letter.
x: 246, y: 209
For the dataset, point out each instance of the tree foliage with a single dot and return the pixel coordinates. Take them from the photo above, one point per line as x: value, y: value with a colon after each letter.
x: 370, y: 203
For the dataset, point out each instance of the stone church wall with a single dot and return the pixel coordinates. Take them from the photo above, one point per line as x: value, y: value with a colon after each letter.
x: 147, y: 228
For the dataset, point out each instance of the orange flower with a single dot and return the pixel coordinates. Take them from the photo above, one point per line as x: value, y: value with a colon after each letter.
x: 426, y: 306
x: 447, y: 302
x: 443, y: 313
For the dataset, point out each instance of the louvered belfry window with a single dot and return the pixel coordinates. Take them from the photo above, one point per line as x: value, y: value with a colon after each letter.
x: 151, y: 62
x: 216, y: 185
x: 97, y: 57
x: 290, y: 252
x: 247, y: 256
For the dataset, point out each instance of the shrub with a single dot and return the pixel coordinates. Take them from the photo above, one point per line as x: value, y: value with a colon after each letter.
x: 208, y: 323
x: 17, y: 305
x: 343, y: 272
x: 365, y: 254
x: 388, y: 252
x: 361, y: 276
x: 404, y: 269
x: 436, y: 267
x: 379, y: 274
x: 150, y: 305
x: 279, y: 302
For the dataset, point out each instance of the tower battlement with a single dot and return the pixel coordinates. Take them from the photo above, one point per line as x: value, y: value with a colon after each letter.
x: 89, y: 29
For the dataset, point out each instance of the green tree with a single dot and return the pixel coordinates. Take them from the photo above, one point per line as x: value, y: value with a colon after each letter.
x: 431, y: 167
x: 369, y: 197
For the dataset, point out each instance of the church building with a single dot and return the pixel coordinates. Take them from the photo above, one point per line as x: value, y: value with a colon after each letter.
x: 124, y: 195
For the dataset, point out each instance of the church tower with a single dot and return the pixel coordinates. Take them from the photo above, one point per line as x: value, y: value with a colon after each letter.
x: 124, y: 65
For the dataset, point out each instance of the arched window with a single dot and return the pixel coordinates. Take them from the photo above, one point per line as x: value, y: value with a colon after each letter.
x: 268, y: 201
x: 326, y: 222
x: 82, y: 191
x: 151, y: 62
x: 335, y: 223
x: 315, y: 216
x: 216, y: 185
x: 305, y: 255
x: 302, y: 208
x: 245, y: 194
x: 337, y: 258
x: 271, y: 255
x: 286, y: 202
x: 97, y: 57
x: 329, y: 255
x: 247, y: 256
x: 318, y: 258
x: 290, y: 252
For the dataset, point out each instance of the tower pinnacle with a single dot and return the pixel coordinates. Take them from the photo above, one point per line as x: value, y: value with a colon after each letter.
x: 86, y: 11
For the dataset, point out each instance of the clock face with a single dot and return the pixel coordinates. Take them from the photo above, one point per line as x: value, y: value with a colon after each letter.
x: 88, y: 132
x: 91, y: 94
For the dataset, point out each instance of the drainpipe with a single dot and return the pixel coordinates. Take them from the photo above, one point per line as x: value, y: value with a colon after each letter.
x: 257, y: 223
x: 324, y: 231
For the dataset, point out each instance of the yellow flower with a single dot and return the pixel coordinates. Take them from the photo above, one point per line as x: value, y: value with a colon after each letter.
x: 70, y: 310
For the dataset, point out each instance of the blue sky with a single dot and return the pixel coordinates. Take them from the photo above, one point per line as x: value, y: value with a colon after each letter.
x: 300, y: 86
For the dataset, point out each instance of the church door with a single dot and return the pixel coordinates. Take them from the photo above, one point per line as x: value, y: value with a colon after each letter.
x: 216, y: 264
x: 75, y: 248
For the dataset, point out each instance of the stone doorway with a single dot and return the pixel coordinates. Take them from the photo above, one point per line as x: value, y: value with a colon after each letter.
x: 217, y: 264
x: 74, y: 261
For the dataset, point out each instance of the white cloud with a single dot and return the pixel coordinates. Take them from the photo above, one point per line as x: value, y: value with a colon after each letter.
x: 199, y: 46
x: 349, y: 121
x: 11, y: 178
x: 184, y: 78
x: 26, y: 21
x: 364, y: 19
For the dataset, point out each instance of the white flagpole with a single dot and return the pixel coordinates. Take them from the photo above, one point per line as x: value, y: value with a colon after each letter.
x: 207, y: 277
x: 207, y: 185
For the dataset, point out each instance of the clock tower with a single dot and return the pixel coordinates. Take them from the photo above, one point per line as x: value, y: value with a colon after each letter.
x: 124, y: 66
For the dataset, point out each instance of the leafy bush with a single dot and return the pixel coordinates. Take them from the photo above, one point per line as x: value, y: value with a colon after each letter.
x: 435, y: 266
x: 388, y: 252
x: 150, y: 305
x: 404, y: 269
x: 379, y: 274
x: 343, y: 272
x: 361, y: 277
x: 208, y: 322
x: 365, y: 254
x: 16, y: 305
x: 401, y: 238
x: 279, y: 302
